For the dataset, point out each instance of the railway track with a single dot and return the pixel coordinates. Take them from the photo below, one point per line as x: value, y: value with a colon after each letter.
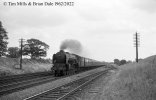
x: 62, y: 92
x: 13, y: 87
x: 17, y: 83
x: 23, y: 77
x: 17, y: 86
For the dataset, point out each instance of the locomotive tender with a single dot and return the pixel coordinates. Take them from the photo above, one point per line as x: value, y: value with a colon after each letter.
x: 66, y: 63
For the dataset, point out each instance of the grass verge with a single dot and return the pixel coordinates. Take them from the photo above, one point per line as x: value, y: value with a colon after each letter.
x: 135, y: 81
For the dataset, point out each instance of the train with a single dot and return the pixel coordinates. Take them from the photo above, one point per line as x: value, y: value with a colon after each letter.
x: 65, y: 63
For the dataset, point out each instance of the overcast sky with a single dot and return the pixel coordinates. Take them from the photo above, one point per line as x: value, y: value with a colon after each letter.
x: 105, y: 28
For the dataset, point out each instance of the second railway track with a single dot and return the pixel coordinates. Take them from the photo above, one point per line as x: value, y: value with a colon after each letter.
x: 62, y: 92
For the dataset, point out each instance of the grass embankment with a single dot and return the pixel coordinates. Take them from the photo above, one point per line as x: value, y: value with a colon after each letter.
x: 10, y: 66
x: 133, y: 82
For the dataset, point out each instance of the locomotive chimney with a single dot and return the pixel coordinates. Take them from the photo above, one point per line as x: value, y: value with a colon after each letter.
x: 61, y: 50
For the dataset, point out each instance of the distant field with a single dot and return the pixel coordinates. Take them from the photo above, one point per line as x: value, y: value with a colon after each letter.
x: 10, y: 66
x: 135, y: 81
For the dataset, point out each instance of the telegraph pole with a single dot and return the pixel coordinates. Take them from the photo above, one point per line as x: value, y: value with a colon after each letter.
x: 136, y: 44
x: 21, y: 45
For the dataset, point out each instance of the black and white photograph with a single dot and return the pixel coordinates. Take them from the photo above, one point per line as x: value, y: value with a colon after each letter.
x: 77, y: 50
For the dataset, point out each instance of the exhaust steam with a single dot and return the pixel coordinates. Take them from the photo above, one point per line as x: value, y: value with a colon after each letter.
x: 72, y: 46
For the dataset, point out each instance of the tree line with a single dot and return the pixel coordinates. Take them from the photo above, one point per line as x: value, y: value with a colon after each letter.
x: 121, y: 62
x: 33, y: 48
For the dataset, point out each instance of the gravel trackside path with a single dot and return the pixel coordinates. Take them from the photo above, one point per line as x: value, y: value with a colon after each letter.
x: 94, y: 91
x: 50, y: 85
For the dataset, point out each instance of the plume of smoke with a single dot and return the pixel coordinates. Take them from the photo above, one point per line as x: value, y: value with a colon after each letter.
x: 72, y: 46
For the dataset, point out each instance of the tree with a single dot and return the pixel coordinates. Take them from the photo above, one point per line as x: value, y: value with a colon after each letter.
x: 13, y: 52
x: 3, y: 40
x: 129, y: 61
x: 117, y: 61
x: 35, y: 48
x: 122, y: 62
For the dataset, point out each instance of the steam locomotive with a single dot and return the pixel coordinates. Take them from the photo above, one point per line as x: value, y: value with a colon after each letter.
x: 66, y: 63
